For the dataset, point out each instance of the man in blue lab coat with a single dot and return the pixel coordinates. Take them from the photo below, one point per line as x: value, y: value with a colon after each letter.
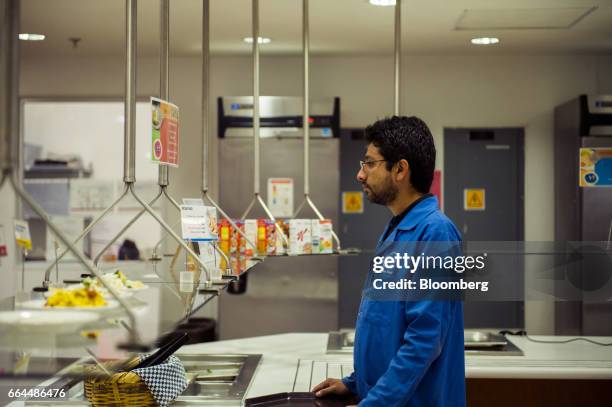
x: 408, y: 352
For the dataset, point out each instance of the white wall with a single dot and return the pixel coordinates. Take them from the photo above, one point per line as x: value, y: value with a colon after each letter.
x: 443, y: 90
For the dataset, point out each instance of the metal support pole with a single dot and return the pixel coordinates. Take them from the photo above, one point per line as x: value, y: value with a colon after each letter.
x: 9, y: 83
x: 259, y: 200
x: 397, y: 57
x: 123, y: 229
x: 256, y: 149
x: 172, y: 233
x: 321, y: 217
x: 306, y: 115
x: 205, y: 91
x: 206, y: 120
x: 306, y: 118
x: 87, y: 263
x: 228, y: 269
x: 231, y: 222
x: 82, y: 235
x: 10, y: 114
x: 129, y: 137
x: 9, y: 20
x: 164, y: 70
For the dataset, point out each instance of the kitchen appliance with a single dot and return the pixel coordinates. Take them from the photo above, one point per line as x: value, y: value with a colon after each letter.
x: 284, y: 293
x: 280, y: 116
x: 583, y: 216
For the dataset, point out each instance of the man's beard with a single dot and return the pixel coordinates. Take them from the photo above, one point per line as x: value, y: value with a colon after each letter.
x: 385, y: 194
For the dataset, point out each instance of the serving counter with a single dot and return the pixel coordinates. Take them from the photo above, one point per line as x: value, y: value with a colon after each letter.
x: 575, y: 373
x: 582, y: 369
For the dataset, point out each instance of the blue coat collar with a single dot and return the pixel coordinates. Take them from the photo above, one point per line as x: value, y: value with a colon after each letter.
x: 413, y: 218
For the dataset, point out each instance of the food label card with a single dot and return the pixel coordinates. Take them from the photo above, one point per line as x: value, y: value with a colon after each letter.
x: 198, y: 223
x: 3, y: 247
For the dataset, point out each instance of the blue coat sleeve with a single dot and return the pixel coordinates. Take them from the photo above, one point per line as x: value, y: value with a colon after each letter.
x: 349, y: 382
x: 427, y: 327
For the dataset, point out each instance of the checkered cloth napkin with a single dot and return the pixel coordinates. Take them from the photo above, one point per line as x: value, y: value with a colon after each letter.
x: 165, y: 380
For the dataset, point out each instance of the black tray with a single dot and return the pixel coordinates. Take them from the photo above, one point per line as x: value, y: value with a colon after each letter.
x: 299, y: 400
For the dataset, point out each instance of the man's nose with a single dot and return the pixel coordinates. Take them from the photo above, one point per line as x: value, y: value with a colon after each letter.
x: 361, y: 176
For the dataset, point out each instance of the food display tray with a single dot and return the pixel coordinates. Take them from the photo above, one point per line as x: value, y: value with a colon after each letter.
x: 297, y: 399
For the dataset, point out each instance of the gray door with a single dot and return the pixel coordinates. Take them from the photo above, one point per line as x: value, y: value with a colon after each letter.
x: 489, y: 161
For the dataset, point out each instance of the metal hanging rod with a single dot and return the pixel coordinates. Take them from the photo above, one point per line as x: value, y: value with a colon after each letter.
x: 164, y: 73
x: 257, y: 150
x: 84, y: 233
x: 9, y: 71
x: 228, y: 269
x: 129, y: 176
x: 206, y: 120
x: 124, y: 229
x: 163, y: 179
x: 306, y: 119
x: 397, y: 56
x: 7, y: 94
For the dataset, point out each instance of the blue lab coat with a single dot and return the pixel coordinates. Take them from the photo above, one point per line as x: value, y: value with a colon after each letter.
x: 410, y: 353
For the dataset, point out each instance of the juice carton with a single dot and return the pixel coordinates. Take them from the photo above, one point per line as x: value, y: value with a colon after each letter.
x: 250, y: 230
x: 314, y: 232
x: 325, y: 236
x: 262, y: 239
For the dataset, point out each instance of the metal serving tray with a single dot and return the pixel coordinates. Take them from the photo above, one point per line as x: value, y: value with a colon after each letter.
x: 214, y: 380
x: 298, y: 400
x: 475, y: 343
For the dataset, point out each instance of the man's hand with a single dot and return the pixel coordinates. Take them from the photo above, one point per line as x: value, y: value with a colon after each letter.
x: 331, y: 386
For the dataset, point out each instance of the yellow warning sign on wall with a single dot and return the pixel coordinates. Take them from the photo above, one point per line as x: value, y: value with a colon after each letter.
x: 352, y: 202
x: 474, y: 199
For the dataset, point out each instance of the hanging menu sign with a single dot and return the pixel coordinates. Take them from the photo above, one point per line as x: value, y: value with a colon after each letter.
x: 164, y: 132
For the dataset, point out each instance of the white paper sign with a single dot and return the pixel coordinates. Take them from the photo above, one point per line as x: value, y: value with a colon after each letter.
x: 198, y: 223
x: 22, y: 234
x: 280, y: 197
x: 3, y: 247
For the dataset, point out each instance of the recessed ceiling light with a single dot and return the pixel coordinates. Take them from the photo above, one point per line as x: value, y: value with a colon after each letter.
x: 383, y: 3
x: 485, y: 41
x: 260, y: 40
x: 31, y: 37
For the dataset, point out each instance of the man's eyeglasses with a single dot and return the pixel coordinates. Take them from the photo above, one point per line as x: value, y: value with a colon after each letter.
x: 369, y: 165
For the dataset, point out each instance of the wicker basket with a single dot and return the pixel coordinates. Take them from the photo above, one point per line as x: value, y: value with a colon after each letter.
x: 122, y: 389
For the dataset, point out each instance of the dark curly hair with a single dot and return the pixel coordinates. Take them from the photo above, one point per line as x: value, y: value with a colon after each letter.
x: 408, y: 138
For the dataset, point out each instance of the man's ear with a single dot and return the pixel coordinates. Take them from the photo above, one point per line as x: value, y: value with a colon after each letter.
x: 402, y: 170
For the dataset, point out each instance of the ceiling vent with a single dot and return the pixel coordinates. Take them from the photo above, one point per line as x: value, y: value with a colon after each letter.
x: 522, y: 19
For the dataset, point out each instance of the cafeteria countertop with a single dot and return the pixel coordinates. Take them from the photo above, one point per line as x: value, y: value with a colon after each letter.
x: 276, y: 373
x: 277, y: 370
